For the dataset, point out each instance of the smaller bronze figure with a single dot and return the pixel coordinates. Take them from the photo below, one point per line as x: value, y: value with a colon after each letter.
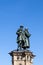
x: 27, y: 35
x: 23, y: 38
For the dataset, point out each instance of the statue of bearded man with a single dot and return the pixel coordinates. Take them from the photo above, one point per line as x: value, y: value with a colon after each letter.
x: 23, y: 38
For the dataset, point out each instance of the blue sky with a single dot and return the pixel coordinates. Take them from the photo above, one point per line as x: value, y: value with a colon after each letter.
x: 13, y: 13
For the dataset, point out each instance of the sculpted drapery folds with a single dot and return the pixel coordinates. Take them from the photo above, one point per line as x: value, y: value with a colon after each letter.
x: 23, y: 38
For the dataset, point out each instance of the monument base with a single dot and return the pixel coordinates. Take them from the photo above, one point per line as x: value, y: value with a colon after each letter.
x: 24, y: 57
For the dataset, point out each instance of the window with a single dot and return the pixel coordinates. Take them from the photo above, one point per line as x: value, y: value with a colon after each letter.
x: 20, y: 64
x: 28, y: 57
x: 18, y: 58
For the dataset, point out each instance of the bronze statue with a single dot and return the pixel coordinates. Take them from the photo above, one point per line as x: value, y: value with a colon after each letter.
x: 23, y: 38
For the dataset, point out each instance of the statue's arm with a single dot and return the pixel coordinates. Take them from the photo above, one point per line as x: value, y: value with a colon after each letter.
x: 17, y: 32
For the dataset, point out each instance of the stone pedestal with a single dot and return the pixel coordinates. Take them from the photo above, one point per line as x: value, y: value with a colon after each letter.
x: 22, y: 57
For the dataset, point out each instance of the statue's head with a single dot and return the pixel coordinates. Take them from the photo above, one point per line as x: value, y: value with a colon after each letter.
x: 26, y: 29
x: 21, y: 27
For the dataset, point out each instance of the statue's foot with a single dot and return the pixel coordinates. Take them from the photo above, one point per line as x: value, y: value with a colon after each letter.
x: 17, y: 49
